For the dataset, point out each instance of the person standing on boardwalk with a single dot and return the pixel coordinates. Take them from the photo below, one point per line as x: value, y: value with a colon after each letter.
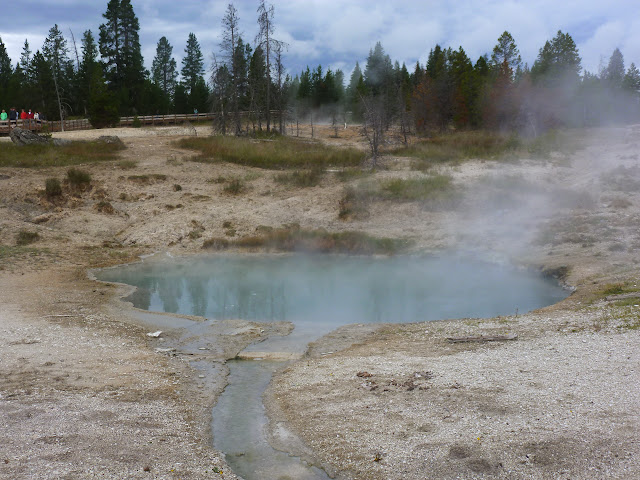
x: 3, y: 116
x: 13, y: 115
x: 23, y: 115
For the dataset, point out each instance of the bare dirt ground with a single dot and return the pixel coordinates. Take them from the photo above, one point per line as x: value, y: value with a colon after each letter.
x: 83, y: 394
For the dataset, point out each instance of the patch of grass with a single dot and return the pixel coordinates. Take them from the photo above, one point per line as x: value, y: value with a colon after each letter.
x: 177, y: 187
x: 478, y: 144
x: 416, y: 189
x: 9, y: 254
x: 292, y: 238
x: 301, y: 178
x: 25, y: 237
x: 617, y: 289
x: 560, y: 141
x: 628, y: 302
x: 127, y: 164
x: 349, y: 174
x: 234, y: 187
x: 218, y: 179
x: 354, y: 204
x: 52, y: 187
x: 78, y: 178
x: 147, y: 179
x: 454, y: 147
x: 75, y: 153
x: 275, y: 153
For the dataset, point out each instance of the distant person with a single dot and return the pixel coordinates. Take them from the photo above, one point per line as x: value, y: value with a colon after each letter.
x: 23, y: 115
x: 36, y: 117
x: 13, y: 115
x: 195, y: 111
x: 3, y: 115
x: 30, y: 114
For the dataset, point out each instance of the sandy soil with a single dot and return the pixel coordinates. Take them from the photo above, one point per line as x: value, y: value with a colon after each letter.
x: 84, y: 393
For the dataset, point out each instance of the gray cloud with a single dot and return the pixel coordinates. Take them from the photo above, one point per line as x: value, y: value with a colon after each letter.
x: 337, y: 34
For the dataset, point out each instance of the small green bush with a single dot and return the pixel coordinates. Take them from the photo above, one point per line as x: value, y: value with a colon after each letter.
x: 127, y: 164
x: 52, y: 187
x: 301, y: 178
x: 234, y: 187
x: 78, y: 178
x: 25, y: 237
x: 136, y: 122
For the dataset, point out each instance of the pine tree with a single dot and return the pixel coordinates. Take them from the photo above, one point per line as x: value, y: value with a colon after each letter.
x: 25, y: 59
x: 506, y: 50
x: 192, y: 63
x: 5, y: 73
x: 121, y: 53
x: 614, y: 73
x: 257, y: 86
x: 55, y: 51
x: 558, y: 61
x: 631, y: 80
x: 88, y: 64
x: 164, y: 68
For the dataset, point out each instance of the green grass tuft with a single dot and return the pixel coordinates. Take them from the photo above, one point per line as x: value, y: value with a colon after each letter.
x: 25, y: 237
x: 52, y: 187
x: 301, y: 178
x: 78, y: 178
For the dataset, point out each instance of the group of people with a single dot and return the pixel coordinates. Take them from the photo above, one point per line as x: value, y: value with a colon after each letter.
x: 13, y: 116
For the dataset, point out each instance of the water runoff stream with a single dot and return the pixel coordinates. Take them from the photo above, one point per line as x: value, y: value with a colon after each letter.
x: 317, y: 294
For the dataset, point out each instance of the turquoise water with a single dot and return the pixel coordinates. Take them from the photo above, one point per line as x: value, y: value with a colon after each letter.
x: 334, y: 290
x: 317, y: 294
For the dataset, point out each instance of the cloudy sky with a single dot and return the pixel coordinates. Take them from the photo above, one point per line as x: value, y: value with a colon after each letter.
x: 336, y: 34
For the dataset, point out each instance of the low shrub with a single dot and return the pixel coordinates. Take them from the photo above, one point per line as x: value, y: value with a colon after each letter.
x: 127, y: 164
x: 78, y: 178
x: 25, y: 237
x: 301, y: 178
x: 52, y: 187
x: 234, y: 187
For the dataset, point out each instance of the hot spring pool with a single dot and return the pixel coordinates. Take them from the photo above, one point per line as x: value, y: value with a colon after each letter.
x: 317, y: 294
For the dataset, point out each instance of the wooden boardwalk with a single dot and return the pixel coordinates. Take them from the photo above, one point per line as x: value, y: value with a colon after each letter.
x: 83, y: 124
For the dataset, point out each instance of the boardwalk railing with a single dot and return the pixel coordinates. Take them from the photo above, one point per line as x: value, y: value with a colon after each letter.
x: 83, y: 124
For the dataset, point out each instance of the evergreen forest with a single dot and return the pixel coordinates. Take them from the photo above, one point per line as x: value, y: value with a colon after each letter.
x: 102, y: 77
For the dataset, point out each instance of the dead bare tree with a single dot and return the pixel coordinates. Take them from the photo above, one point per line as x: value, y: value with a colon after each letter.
x: 373, y: 125
x: 265, y: 40
x: 230, y: 34
x: 220, y: 81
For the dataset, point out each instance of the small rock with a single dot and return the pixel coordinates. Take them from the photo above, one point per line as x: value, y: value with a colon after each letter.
x: 110, y: 139
x: 154, y: 334
x: 41, y: 218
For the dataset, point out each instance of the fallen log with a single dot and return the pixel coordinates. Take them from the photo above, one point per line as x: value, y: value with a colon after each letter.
x: 482, y: 338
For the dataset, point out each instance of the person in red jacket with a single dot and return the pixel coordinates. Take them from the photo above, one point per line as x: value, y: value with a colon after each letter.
x: 23, y: 115
x: 30, y: 114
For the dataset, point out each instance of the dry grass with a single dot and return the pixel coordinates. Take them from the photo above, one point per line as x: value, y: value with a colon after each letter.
x: 292, y: 238
x: 273, y: 153
x: 75, y: 153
